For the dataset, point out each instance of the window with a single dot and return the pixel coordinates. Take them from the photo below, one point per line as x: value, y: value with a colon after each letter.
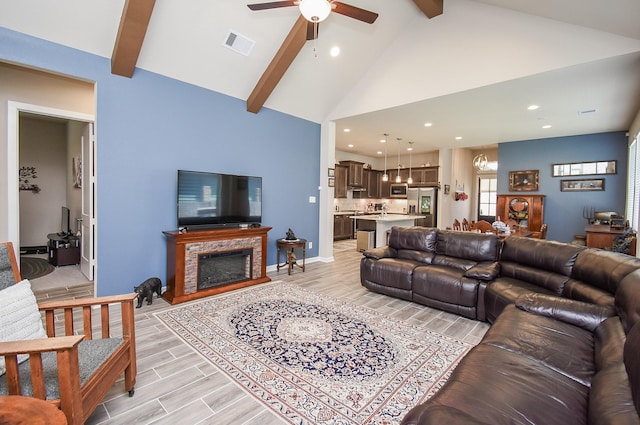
x: 487, y: 197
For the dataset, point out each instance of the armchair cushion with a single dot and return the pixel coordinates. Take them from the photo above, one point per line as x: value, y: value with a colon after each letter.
x: 91, y: 355
x: 20, y: 317
x: 6, y: 269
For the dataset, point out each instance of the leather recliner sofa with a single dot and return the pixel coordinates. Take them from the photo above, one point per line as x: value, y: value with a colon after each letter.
x: 565, y: 336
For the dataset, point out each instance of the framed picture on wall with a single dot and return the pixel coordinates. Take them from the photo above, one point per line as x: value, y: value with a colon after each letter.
x: 524, y: 181
x: 332, y: 172
x: 332, y: 181
x: 581, y: 185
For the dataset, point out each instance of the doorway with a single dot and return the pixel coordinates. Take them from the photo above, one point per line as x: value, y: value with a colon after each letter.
x: 53, y: 169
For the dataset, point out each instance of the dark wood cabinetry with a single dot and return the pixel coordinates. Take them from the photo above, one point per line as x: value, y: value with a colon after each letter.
x: 340, y: 190
x: 342, y: 227
x: 526, y: 210
x: 371, y: 180
x: 424, y: 176
x: 355, y: 173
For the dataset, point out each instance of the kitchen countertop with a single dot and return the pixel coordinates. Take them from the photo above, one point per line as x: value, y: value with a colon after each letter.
x: 388, y: 217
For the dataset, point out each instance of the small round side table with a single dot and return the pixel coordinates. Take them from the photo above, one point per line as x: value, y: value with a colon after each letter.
x: 19, y: 410
x: 289, y: 246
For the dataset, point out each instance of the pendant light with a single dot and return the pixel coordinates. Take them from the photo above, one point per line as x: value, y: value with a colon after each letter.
x: 410, y: 149
x: 480, y: 162
x: 398, y: 178
x: 385, y: 176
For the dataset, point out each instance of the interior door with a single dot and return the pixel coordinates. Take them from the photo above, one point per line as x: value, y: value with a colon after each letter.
x: 87, y: 220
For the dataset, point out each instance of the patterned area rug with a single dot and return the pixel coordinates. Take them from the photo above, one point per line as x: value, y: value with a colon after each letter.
x: 33, y: 268
x: 314, y: 359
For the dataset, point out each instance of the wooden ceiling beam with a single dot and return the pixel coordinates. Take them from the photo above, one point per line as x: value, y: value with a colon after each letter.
x: 430, y: 8
x: 279, y: 64
x: 133, y: 27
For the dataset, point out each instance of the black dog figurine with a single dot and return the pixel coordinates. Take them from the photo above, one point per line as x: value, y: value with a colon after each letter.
x: 146, y: 290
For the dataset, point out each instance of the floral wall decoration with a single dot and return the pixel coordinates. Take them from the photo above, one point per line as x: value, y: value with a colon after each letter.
x: 27, y: 175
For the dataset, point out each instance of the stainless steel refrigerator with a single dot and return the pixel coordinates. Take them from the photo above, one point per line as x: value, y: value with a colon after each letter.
x: 423, y: 201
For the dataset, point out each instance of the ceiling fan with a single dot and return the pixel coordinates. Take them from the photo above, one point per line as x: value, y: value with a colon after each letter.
x: 312, y: 12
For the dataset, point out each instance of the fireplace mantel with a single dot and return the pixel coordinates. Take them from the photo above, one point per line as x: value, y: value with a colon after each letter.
x: 183, y: 250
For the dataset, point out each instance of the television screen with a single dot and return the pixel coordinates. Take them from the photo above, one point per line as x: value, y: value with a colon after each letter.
x: 65, y: 224
x: 216, y: 200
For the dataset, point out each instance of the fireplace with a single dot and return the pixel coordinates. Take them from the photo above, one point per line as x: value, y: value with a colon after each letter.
x: 223, y: 268
x: 207, y: 262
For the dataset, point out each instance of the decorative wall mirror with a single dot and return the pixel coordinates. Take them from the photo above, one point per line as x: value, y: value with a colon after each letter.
x: 584, y: 168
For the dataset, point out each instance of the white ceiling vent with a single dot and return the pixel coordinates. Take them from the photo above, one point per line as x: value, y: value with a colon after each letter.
x: 239, y: 43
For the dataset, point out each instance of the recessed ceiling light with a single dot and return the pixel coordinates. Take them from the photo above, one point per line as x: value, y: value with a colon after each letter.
x: 428, y: 124
x: 350, y: 145
x: 379, y: 152
x: 546, y: 126
x: 383, y: 141
x: 346, y: 130
x: 458, y: 137
x: 532, y: 107
x: 335, y: 51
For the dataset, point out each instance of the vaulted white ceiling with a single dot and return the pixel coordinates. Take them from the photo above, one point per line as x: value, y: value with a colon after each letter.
x: 471, y: 71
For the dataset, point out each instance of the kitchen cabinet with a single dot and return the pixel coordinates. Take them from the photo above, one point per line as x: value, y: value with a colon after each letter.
x: 355, y: 174
x: 526, y: 210
x: 340, y: 189
x: 424, y: 176
x: 372, y: 180
x: 342, y: 227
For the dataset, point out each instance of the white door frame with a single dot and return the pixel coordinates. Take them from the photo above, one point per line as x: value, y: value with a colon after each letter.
x: 13, y: 197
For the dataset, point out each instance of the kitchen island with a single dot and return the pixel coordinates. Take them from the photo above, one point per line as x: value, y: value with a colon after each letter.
x: 382, y: 223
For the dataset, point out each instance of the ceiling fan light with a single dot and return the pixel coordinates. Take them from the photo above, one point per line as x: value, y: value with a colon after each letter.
x: 315, y: 10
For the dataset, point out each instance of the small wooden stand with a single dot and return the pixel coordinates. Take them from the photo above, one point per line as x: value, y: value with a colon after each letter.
x: 289, y: 246
x: 183, y: 250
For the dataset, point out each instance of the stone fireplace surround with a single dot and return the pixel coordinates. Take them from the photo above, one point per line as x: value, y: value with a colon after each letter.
x: 183, y: 250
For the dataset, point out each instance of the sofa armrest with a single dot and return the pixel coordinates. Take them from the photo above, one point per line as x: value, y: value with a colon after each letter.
x: 381, y: 252
x: 485, y: 270
x: 438, y: 414
x: 585, y: 315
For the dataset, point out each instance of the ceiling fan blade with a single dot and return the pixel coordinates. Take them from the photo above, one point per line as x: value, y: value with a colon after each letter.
x: 271, y: 5
x: 313, y: 29
x: 430, y: 8
x: 290, y: 48
x: 354, y: 12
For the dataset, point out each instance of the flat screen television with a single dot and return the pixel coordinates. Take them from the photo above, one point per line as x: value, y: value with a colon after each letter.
x: 210, y: 200
x: 65, y: 223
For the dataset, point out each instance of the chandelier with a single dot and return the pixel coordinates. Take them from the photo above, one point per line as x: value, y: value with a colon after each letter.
x: 480, y: 162
x: 315, y: 10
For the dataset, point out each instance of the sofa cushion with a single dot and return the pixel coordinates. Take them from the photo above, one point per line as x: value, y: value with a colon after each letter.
x: 553, y: 282
x: 413, y: 238
x: 20, y: 318
x: 391, y: 272
x: 497, y: 386
x: 504, y: 291
x: 468, y: 245
x: 462, y: 264
x: 603, y: 269
x: 560, y: 346
x: 486, y: 270
x: 446, y: 284
x: 541, y: 254
x: 580, y: 291
x: 627, y: 300
x: 631, y: 350
x: 577, y: 313
x: 610, y: 401
x: 425, y: 257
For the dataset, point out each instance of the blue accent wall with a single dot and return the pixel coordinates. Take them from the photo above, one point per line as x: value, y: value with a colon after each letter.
x: 563, y: 211
x: 150, y: 126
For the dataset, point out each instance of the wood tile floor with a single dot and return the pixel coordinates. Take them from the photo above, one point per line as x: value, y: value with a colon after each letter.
x: 176, y: 386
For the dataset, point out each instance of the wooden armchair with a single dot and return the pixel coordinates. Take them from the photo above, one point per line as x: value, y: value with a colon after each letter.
x: 74, y: 372
x: 456, y: 224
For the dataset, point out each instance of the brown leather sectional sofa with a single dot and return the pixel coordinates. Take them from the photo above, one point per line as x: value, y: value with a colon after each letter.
x: 564, y: 345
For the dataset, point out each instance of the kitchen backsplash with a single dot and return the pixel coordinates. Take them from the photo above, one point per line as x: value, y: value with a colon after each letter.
x: 396, y: 206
